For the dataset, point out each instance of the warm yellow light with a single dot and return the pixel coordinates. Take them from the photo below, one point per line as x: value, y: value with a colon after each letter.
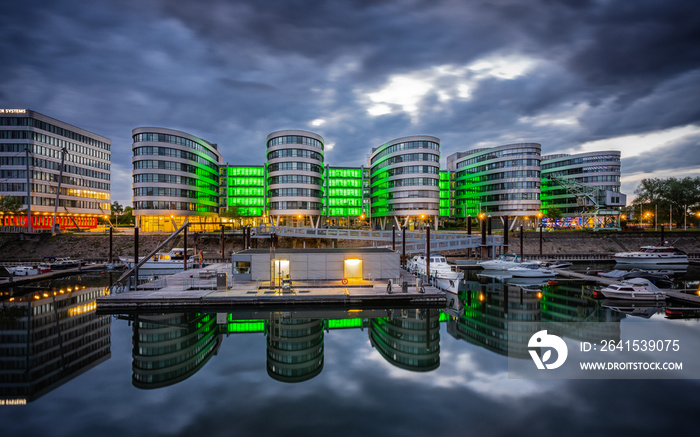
x: 539, y: 295
x: 422, y: 216
x: 46, y: 294
x: 481, y: 297
x: 69, y: 290
x: 623, y: 216
x: 36, y: 296
x: 353, y: 261
x: 299, y: 215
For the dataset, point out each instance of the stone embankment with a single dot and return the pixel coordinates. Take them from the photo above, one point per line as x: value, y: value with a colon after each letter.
x: 95, y: 246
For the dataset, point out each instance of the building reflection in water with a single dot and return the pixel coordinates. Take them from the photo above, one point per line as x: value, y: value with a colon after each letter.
x: 494, y: 314
x: 408, y: 339
x: 48, y: 338
x: 294, y: 348
x: 564, y: 303
x: 169, y: 348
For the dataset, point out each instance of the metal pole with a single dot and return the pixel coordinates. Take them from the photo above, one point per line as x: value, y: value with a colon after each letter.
x: 522, y: 257
x: 403, y: 243
x: 427, y: 251
x: 222, y: 244
x: 136, y: 256
x: 469, y: 225
x: 185, y: 261
x: 110, y: 243
x: 393, y: 237
x: 488, y: 221
x: 540, y: 240
x: 505, y: 234
x: 29, y: 195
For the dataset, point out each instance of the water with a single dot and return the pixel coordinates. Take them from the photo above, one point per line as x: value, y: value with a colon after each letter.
x: 402, y: 373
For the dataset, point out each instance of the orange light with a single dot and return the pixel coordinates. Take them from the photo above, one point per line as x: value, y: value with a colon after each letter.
x: 481, y: 297
x: 539, y: 295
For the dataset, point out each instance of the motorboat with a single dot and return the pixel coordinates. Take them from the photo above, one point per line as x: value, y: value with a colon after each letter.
x: 661, y: 281
x: 502, y: 262
x: 653, y: 255
x: 60, y: 263
x: 162, y: 262
x: 531, y: 270
x: 23, y: 270
x: 634, y: 289
x: 442, y: 273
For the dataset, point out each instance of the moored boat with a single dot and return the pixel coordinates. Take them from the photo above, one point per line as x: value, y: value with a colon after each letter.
x: 502, y: 262
x: 653, y: 255
x: 23, y: 270
x: 634, y: 289
x: 531, y: 270
x: 444, y: 277
x: 162, y: 262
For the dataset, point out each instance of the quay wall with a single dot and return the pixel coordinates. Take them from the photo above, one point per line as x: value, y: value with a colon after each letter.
x: 95, y: 246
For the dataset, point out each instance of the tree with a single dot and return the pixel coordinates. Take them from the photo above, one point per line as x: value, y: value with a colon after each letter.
x: 554, y: 213
x: 11, y: 204
x: 117, y: 208
x: 231, y: 212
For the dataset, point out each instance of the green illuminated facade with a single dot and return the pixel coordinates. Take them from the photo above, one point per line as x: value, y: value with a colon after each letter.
x: 345, y: 195
x: 242, y: 192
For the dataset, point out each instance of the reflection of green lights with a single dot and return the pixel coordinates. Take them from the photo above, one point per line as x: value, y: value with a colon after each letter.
x: 344, y: 323
x: 246, y: 326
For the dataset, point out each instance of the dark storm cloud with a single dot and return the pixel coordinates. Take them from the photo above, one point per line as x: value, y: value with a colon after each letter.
x: 679, y: 155
x: 232, y: 72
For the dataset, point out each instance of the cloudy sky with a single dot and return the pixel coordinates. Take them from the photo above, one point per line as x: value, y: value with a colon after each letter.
x: 571, y: 75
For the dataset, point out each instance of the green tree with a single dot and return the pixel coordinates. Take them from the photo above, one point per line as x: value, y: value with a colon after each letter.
x: 554, y: 213
x: 231, y: 212
x: 11, y: 204
x: 117, y: 208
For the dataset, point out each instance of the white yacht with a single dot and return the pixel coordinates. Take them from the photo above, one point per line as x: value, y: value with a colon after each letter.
x: 634, y: 289
x: 503, y: 262
x: 445, y: 278
x: 530, y: 270
x: 652, y: 255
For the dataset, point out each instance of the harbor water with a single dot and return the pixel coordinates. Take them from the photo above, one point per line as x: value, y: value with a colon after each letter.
x: 342, y: 372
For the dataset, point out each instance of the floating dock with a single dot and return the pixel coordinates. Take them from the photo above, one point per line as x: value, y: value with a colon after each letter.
x: 203, y: 290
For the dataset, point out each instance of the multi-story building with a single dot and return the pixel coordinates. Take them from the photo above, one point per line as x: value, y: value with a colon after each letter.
x: 44, y: 160
x: 404, y: 181
x: 501, y: 181
x: 176, y: 178
x: 594, y: 176
x: 242, y: 194
x: 295, y: 177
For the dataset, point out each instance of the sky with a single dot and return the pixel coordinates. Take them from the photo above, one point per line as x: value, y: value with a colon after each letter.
x: 571, y: 75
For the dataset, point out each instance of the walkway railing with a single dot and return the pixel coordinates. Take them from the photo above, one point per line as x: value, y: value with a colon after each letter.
x: 415, y: 241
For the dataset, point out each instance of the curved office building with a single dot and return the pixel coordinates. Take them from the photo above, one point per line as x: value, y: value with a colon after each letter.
x: 176, y: 176
x: 295, y: 177
x: 404, y: 179
x: 596, y: 169
x: 498, y: 181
